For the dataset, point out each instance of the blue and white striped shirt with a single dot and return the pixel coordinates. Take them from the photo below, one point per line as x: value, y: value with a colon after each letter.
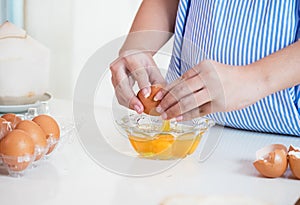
x: 238, y: 32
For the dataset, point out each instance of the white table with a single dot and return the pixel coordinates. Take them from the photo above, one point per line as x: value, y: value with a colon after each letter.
x: 71, y: 177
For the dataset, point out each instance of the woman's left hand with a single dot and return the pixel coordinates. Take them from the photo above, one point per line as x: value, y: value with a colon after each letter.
x: 210, y: 87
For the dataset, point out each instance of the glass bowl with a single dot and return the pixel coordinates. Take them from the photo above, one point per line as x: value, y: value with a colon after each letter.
x: 153, y: 138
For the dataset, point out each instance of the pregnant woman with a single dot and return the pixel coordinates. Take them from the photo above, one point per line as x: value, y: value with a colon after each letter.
x: 237, y: 62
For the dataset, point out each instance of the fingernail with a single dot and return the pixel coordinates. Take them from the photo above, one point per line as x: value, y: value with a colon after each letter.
x: 158, y: 96
x: 137, y: 108
x: 179, y: 118
x: 146, y: 92
x: 159, y: 109
x: 164, y: 116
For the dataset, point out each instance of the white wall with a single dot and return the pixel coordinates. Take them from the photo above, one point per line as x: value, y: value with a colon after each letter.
x: 97, y: 23
x: 73, y: 30
x: 51, y: 22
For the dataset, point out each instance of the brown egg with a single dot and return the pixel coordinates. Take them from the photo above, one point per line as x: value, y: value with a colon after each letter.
x: 50, y: 127
x: 4, y: 128
x: 16, y: 144
x: 149, y: 103
x: 271, y: 160
x: 36, y: 133
x: 294, y: 161
x: 12, y: 118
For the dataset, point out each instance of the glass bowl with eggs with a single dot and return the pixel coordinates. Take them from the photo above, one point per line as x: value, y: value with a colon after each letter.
x: 27, y: 139
x: 154, y: 138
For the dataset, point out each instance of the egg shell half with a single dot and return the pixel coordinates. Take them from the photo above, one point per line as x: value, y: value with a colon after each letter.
x: 294, y: 161
x: 271, y: 160
x: 293, y: 148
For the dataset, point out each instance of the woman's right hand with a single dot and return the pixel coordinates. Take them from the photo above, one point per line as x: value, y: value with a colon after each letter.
x: 134, y: 66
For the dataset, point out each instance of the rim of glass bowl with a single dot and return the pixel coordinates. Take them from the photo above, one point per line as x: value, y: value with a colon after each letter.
x: 151, y: 125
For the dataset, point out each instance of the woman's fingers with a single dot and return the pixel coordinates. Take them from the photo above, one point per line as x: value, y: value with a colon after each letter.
x: 159, y: 95
x: 196, y: 112
x: 130, y: 68
x: 126, y: 96
x: 190, y: 74
x: 138, y: 65
x: 123, y: 87
x: 180, y: 92
x: 187, y: 103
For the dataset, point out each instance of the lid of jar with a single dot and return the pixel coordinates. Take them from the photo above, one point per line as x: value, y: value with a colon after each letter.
x: 9, y: 30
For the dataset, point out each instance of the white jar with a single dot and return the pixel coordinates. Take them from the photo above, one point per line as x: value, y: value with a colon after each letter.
x: 24, y: 67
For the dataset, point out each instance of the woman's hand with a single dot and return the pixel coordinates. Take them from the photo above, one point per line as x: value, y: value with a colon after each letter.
x: 130, y: 67
x: 214, y: 87
x: 152, y: 27
x: 210, y: 87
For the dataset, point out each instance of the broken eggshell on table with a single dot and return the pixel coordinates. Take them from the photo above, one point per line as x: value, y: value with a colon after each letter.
x: 273, y: 160
x: 294, y: 160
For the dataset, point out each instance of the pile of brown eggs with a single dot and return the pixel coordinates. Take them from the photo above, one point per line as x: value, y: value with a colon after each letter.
x: 23, y: 142
x: 273, y: 160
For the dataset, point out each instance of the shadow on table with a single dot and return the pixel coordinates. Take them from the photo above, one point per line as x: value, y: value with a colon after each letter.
x: 246, y: 168
x: 37, y: 186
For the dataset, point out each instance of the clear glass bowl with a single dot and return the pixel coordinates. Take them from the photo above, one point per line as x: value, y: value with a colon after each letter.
x: 153, y: 138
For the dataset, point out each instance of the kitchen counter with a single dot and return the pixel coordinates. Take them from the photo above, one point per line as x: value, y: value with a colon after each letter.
x: 70, y: 176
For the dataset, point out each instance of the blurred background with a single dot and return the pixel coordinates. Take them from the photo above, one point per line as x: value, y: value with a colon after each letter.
x: 72, y: 29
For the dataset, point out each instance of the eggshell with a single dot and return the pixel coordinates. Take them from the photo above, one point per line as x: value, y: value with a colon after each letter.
x: 16, y: 144
x: 271, y: 160
x: 12, y: 118
x: 294, y: 161
x: 4, y: 128
x: 50, y: 127
x: 149, y: 103
x: 36, y: 133
x: 292, y: 148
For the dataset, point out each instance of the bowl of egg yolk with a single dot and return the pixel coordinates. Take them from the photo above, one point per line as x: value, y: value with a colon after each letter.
x: 154, y: 138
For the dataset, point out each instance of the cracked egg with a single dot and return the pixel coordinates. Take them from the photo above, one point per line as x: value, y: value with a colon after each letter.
x: 294, y: 160
x: 271, y: 161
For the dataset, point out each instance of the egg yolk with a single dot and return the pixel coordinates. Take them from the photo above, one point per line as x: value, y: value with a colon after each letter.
x: 166, y: 126
x: 165, y: 146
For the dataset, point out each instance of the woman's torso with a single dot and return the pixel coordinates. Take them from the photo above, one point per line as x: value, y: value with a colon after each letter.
x: 238, y: 33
